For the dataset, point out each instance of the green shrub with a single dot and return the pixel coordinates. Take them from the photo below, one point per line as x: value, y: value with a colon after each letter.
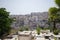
x: 38, y: 30
x: 56, y: 31
x: 21, y: 29
x: 55, y: 38
x: 26, y: 28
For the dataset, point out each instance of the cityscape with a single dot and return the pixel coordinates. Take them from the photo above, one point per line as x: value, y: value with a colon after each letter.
x: 30, y: 20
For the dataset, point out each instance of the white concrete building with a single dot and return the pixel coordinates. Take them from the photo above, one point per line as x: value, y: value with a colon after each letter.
x: 39, y: 37
x: 12, y: 37
x: 25, y: 35
x: 29, y: 35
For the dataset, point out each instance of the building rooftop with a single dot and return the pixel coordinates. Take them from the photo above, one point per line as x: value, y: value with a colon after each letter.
x: 57, y: 36
x: 24, y: 33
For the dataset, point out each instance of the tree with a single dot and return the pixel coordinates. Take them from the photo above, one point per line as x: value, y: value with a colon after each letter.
x: 5, y: 22
x: 38, y: 30
x: 54, y: 16
x: 57, y: 3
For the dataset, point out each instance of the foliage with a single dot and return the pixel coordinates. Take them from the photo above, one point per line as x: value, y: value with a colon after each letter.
x: 24, y: 28
x: 21, y: 29
x: 56, y: 31
x: 51, y: 28
x: 54, y: 16
x: 57, y: 2
x: 38, y: 30
x: 55, y: 38
x: 5, y: 22
x: 46, y: 28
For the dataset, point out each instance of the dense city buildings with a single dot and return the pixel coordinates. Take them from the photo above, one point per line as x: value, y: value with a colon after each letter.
x: 30, y: 20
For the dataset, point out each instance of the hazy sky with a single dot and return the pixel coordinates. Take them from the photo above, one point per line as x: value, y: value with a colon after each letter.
x: 26, y: 6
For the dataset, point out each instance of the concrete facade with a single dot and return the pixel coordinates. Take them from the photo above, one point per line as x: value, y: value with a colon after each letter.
x: 13, y: 37
x: 24, y: 35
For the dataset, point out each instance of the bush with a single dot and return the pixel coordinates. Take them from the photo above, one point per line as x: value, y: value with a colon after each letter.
x: 21, y: 29
x: 26, y: 28
x: 55, y: 38
x: 56, y: 32
x: 38, y: 30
